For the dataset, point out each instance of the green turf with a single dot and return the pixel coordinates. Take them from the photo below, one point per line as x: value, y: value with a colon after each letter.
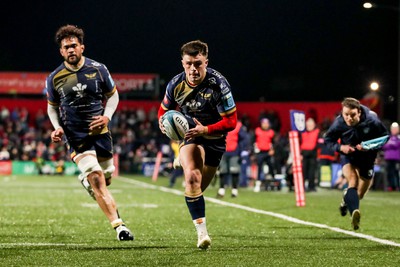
x: 51, y: 221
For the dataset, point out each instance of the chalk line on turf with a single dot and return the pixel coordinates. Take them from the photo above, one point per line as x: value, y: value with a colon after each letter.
x: 269, y: 213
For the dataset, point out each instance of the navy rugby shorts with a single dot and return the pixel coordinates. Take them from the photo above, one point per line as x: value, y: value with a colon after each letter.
x: 101, y: 143
x: 363, y: 161
x: 213, y: 148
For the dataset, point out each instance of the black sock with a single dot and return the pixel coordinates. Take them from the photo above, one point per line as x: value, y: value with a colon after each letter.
x: 351, y: 199
x: 197, y: 207
x: 235, y: 180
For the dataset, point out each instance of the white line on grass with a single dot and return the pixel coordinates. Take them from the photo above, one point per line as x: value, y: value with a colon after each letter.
x: 25, y: 244
x: 273, y: 214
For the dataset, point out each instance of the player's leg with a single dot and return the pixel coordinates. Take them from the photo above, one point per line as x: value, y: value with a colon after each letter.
x: 104, y: 150
x: 107, y: 165
x: 90, y: 168
x: 223, y: 173
x: 351, y: 197
x: 105, y: 157
x: 192, y: 158
x: 260, y: 157
x: 234, y: 170
x: 363, y: 186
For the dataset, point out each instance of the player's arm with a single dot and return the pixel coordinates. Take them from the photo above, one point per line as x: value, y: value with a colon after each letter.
x: 168, y: 103
x: 54, y: 117
x: 111, y: 105
x: 53, y: 110
x: 331, y: 138
x: 228, y: 123
x: 161, y: 112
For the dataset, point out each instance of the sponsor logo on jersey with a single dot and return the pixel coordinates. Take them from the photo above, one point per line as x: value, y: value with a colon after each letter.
x: 212, y: 80
x: 206, y: 96
x: 217, y: 74
x: 96, y: 64
x: 91, y: 76
x: 228, y: 101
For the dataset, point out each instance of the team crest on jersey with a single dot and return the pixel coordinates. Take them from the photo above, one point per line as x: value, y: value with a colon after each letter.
x: 91, y: 76
x: 193, y: 105
x: 366, y: 130
x: 79, y: 88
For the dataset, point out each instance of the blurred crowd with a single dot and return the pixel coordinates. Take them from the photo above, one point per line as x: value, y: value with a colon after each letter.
x: 26, y: 137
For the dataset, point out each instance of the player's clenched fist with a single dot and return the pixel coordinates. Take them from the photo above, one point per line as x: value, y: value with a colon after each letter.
x: 56, y: 135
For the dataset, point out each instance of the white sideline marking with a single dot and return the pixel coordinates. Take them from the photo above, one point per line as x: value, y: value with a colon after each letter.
x: 146, y: 206
x: 269, y: 213
x: 2, y: 245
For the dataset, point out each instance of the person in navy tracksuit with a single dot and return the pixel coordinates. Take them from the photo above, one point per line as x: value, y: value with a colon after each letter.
x: 355, y: 124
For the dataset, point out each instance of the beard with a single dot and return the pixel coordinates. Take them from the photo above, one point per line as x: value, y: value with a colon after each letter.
x: 73, y: 60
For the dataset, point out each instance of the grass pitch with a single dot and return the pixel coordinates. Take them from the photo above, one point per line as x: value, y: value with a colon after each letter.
x: 51, y: 221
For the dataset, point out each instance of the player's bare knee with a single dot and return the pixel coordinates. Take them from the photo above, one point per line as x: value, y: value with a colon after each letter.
x: 194, y: 177
x: 96, y: 179
x: 361, y: 195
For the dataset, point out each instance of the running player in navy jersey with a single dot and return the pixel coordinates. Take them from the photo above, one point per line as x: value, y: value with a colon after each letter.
x: 204, y: 96
x: 75, y: 94
x: 355, y: 124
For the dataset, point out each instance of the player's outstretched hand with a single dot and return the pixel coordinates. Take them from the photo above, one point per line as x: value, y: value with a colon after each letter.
x: 57, y: 135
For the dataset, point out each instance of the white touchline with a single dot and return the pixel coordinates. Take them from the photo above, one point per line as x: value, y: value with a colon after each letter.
x: 269, y: 213
x: 25, y: 244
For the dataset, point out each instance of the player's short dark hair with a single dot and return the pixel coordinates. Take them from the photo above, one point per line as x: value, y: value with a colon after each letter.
x: 193, y: 48
x: 69, y: 31
x: 351, y: 103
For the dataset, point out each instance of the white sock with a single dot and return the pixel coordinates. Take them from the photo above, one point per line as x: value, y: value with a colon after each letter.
x: 235, y: 191
x: 117, y: 223
x: 201, y: 226
x: 221, y: 191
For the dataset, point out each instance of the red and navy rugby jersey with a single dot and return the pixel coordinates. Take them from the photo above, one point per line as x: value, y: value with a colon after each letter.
x: 79, y: 94
x: 208, y: 102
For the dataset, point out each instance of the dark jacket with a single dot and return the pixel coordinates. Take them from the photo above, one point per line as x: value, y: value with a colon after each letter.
x: 369, y: 127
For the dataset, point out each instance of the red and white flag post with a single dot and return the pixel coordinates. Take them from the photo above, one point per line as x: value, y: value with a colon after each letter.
x: 297, y: 119
x: 157, y: 166
x: 297, y: 169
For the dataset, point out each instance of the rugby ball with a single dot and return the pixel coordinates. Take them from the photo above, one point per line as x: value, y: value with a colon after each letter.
x: 175, y: 125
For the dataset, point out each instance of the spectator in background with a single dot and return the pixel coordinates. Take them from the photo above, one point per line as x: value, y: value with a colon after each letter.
x: 237, y: 146
x: 4, y: 114
x: 245, y: 157
x: 308, y: 147
x: 281, y: 152
x: 392, y: 157
x: 325, y: 157
x: 4, y: 154
x: 264, y: 151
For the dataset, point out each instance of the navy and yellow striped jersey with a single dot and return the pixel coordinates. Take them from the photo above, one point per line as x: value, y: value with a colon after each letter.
x: 208, y: 102
x: 79, y: 94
